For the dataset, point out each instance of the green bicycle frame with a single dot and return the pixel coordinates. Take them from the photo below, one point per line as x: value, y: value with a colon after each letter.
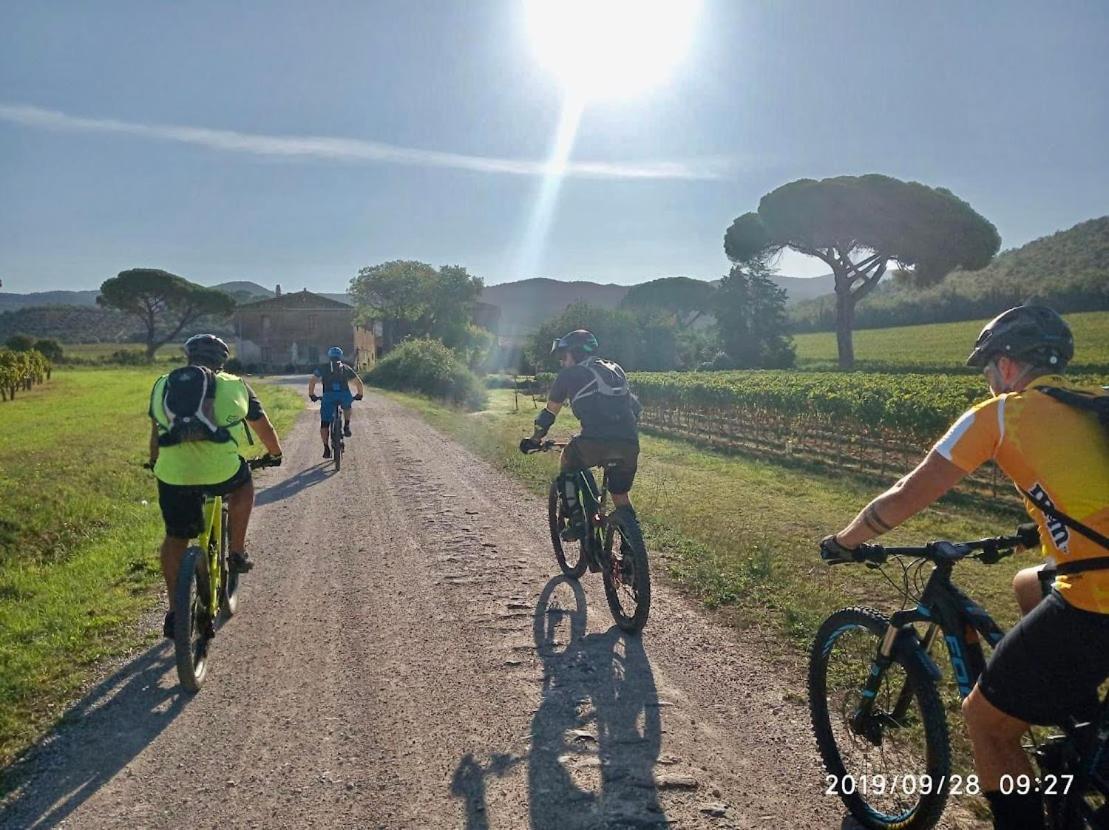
x: 213, y: 532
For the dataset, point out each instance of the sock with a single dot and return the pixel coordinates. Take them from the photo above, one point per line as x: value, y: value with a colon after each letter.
x: 1015, y: 811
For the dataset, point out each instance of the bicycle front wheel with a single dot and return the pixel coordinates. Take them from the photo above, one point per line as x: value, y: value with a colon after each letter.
x: 625, y: 572
x: 192, y: 619
x: 892, y: 767
x: 570, y: 555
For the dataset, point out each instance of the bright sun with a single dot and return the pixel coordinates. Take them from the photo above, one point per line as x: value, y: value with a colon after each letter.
x: 610, y: 48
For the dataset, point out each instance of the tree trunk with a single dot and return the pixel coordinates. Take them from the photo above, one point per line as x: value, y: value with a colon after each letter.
x: 845, y: 322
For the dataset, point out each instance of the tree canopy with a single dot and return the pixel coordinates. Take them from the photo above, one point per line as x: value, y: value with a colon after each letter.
x: 637, y: 340
x: 413, y: 299
x: 751, y: 317
x: 858, y: 225
x: 164, y: 303
x: 684, y: 298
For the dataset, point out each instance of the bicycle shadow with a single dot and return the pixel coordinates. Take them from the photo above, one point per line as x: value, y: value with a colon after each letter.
x: 294, y: 484
x: 597, y: 733
x: 97, y: 737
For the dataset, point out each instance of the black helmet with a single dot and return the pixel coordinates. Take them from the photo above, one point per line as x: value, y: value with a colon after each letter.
x: 580, y: 343
x: 1029, y: 333
x: 207, y: 349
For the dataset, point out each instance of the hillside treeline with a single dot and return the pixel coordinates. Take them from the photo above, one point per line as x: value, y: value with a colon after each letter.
x: 80, y: 324
x: 1068, y: 270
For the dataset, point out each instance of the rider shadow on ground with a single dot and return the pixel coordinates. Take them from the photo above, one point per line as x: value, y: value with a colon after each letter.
x: 594, y: 739
x: 596, y: 736
x: 100, y: 735
x: 293, y: 485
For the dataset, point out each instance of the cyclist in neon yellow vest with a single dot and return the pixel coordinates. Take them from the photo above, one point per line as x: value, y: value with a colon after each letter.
x: 188, y: 470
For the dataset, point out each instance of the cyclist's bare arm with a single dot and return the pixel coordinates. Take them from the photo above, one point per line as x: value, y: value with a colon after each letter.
x: 312, y: 385
x: 359, y: 384
x: 264, y: 430
x: 933, y: 477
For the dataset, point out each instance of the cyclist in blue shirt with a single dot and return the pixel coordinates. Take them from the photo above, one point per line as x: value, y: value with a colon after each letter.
x: 335, y: 376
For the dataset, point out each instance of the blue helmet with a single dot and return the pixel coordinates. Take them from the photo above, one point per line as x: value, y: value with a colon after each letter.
x: 335, y: 352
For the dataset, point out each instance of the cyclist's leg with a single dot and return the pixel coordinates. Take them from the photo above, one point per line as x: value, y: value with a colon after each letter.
x: 183, y: 515
x: 346, y: 400
x: 571, y: 463
x: 327, y: 406
x: 1031, y: 585
x: 622, y: 477
x: 1046, y: 669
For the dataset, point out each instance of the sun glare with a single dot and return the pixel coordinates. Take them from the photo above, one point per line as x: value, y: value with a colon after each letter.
x: 610, y: 48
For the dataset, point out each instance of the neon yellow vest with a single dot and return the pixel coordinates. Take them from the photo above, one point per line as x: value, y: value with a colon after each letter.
x: 203, y: 462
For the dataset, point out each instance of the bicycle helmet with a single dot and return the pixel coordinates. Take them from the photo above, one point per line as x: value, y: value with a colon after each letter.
x: 207, y: 349
x: 1032, y: 334
x: 334, y: 352
x: 580, y: 343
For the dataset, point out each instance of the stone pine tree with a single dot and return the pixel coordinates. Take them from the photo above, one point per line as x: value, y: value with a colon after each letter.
x: 859, y: 224
x: 750, y: 314
x: 164, y: 303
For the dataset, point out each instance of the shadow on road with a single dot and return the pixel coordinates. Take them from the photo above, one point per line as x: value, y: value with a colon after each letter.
x: 103, y: 732
x: 291, y: 486
x: 594, y: 739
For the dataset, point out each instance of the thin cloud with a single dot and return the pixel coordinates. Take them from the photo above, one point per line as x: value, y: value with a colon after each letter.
x: 357, y: 150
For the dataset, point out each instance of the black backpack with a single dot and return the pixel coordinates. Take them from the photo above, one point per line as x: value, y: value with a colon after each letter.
x: 188, y: 399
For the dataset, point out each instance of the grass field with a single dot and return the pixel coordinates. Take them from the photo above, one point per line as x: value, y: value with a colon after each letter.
x: 945, y: 345
x: 79, y: 528
x: 102, y: 351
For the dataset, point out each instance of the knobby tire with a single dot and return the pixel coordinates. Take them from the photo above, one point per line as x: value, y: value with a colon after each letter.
x: 570, y: 567
x: 189, y: 640
x: 926, y: 812
x: 625, y: 550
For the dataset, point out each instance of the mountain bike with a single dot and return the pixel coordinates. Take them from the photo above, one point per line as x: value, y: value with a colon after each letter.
x: 624, y: 569
x: 876, y: 710
x: 200, y: 599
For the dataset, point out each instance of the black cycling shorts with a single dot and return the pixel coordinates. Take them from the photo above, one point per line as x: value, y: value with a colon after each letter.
x: 1049, y: 666
x: 582, y: 453
x: 183, y: 504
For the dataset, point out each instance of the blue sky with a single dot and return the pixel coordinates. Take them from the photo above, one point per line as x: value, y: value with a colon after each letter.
x: 294, y: 143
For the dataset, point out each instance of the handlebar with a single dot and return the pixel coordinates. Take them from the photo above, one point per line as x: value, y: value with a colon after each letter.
x: 547, y: 446
x: 989, y: 550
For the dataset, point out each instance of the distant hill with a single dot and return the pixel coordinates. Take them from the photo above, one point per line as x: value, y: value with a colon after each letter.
x: 527, y: 303
x: 1068, y: 270
x: 11, y: 302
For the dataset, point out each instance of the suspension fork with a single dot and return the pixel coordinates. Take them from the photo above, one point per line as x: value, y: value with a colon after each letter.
x: 882, y: 661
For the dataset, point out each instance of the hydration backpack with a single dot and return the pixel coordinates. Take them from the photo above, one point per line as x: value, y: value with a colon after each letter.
x: 606, y: 398
x: 188, y: 400
x: 1098, y: 405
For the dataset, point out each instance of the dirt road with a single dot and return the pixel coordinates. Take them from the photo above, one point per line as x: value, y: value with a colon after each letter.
x: 403, y: 658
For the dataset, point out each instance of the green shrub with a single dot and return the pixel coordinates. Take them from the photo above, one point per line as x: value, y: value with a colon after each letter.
x: 430, y: 368
x: 51, y: 349
x: 234, y: 366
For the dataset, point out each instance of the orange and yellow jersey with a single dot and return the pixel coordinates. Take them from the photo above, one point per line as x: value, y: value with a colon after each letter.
x: 1053, y: 451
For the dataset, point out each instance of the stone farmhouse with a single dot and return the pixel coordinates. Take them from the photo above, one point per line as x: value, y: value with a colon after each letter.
x: 292, y: 332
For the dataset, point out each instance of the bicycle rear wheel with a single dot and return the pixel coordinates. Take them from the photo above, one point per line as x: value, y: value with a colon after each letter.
x: 229, y: 595
x: 570, y: 555
x: 192, y: 626
x: 337, y: 442
x: 892, y: 771
x: 625, y: 572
